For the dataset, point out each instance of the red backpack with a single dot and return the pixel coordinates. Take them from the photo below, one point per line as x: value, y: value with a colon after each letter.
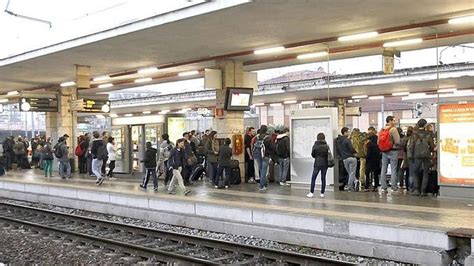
x: 79, y: 150
x: 385, y: 140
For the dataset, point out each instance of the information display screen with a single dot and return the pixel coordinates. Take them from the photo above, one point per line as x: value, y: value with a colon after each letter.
x: 96, y: 106
x: 456, y: 144
x: 238, y: 99
x: 39, y: 104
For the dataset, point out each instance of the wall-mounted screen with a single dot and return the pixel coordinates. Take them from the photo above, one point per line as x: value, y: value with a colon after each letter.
x: 238, y: 99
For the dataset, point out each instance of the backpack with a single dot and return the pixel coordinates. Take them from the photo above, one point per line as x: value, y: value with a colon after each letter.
x: 57, y: 151
x: 79, y: 150
x: 102, y: 153
x: 422, y: 148
x: 281, y: 149
x: 259, y: 147
x: 385, y: 140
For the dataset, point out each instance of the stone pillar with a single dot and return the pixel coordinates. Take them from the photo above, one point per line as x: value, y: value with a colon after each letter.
x: 341, y: 113
x: 233, y: 121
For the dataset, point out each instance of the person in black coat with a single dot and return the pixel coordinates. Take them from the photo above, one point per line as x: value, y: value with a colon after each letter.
x: 320, y: 154
x: 225, y: 158
x: 372, y: 162
x: 150, y: 165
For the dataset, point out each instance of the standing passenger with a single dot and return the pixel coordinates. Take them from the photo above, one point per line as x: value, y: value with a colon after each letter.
x: 48, y: 158
x: 283, y: 153
x: 99, y: 152
x: 212, y: 151
x: 346, y: 152
x: 389, y: 142
x: 261, y: 155
x: 421, y: 148
x: 176, y: 162
x: 225, y: 157
x: 249, y: 161
x: 320, y: 153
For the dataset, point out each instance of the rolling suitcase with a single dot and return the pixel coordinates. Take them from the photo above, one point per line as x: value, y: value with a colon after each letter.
x: 235, y: 178
x: 432, y: 186
x: 197, y: 172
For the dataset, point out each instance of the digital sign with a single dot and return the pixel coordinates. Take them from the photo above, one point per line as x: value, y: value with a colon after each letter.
x: 39, y: 104
x: 456, y: 144
x: 95, y: 106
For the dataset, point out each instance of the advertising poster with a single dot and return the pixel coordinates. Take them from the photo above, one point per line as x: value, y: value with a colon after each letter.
x: 176, y: 128
x: 456, y: 151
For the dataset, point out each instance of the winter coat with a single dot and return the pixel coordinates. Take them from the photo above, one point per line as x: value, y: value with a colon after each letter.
x: 373, y: 153
x: 64, y: 152
x: 212, y: 147
x: 150, y: 158
x: 320, y: 153
x: 225, y: 156
x: 344, y: 148
x: 176, y: 158
x: 282, y: 146
x: 96, y: 143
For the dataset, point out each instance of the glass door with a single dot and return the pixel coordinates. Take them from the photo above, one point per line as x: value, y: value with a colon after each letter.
x: 122, y: 162
x: 138, y: 147
x: 153, y: 134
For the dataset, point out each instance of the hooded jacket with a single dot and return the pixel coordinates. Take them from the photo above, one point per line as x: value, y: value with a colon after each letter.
x: 344, y: 148
x: 373, y: 153
x: 150, y: 158
x: 283, y: 146
x: 320, y: 153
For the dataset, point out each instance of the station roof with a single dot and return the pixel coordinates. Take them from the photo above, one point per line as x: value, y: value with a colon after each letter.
x: 194, y: 37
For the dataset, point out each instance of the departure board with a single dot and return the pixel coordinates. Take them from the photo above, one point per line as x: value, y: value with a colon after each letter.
x: 39, y: 104
x: 96, y: 106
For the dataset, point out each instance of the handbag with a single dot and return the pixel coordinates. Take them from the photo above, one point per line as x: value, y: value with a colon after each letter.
x: 331, y: 162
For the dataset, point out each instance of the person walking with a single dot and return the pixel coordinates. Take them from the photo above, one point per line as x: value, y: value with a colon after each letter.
x: 176, y: 162
x: 48, y: 158
x: 82, y: 153
x: 283, y: 154
x: 389, y: 142
x: 320, y: 153
x: 112, y: 155
x: 346, y: 153
x: 99, y: 152
x: 150, y: 165
x: 165, y: 149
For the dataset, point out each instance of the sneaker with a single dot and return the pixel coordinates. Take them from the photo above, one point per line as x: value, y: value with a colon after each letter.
x: 252, y: 181
x: 321, y: 196
x: 101, y: 181
x: 216, y: 187
x: 265, y: 188
x: 186, y: 192
x: 112, y: 178
x: 142, y: 187
x: 262, y: 189
x: 309, y: 195
x: 226, y: 186
x: 155, y: 189
x: 171, y: 192
x: 383, y: 190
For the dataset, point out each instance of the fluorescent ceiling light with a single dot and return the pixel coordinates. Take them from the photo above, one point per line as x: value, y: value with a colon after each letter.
x: 148, y: 70
x: 3, y: 100
x: 461, y: 20
x: 307, y: 102
x: 462, y: 93
x: 350, y: 101
x: 113, y: 115
x: 101, y: 78
x: 188, y: 73
x: 128, y: 115
x: 360, y: 97
x: 270, y: 50
x: 11, y: 93
x: 311, y: 55
x: 376, y: 97
x: 275, y: 104
x: 447, y: 90
x: 259, y: 104
x: 403, y: 42
x: 146, y: 112
x: 417, y: 96
x: 67, y: 84
x: 358, y: 36
x: 141, y: 80
x: 105, y: 85
x: 404, y: 93
x: 162, y: 112
x: 290, y: 102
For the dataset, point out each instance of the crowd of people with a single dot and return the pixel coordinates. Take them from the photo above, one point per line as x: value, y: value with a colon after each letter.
x: 363, y: 158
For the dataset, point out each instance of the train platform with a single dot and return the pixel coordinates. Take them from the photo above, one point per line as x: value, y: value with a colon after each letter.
x: 396, y: 227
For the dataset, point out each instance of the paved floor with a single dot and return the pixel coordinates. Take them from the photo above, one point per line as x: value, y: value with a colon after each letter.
x: 397, y: 210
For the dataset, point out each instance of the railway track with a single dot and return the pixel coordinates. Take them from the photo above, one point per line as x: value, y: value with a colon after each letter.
x: 148, y: 245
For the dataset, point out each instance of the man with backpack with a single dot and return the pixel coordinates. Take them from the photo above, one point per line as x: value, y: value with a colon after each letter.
x: 420, y: 148
x: 8, y: 146
x: 283, y: 153
x: 262, y: 151
x: 61, y: 152
x: 346, y: 153
x: 99, y: 154
x: 389, y: 142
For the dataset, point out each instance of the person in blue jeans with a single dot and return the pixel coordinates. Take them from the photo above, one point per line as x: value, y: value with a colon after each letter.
x: 320, y: 153
x: 283, y: 152
x: 390, y: 156
x: 262, y: 151
x: 346, y: 153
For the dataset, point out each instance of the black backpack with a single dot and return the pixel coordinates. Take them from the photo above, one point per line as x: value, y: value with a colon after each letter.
x: 57, y: 151
x: 422, y: 149
x: 102, y: 153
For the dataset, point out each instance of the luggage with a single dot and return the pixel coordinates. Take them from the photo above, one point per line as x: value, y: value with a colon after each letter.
x: 433, y: 186
x: 235, y: 178
x: 197, y: 172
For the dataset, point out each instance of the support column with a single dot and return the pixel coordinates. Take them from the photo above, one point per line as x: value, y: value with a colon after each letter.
x: 341, y: 112
x: 233, y: 121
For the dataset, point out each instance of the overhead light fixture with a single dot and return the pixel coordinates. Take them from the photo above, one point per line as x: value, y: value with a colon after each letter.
x: 358, y: 36
x: 350, y: 101
x: 269, y: 50
x: 113, y: 115
x: 101, y: 78
x: 128, y: 115
x: 148, y: 70
x: 105, y: 85
x: 461, y: 93
x: 105, y: 108
x: 3, y: 100
x: 417, y: 96
x: 188, y: 73
x: 357, y: 101
x: 307, y: 102
x: 290, y: 102
x: 447, y: 90
x: 275, y: 104
x: 360, y: 97
x: 404, y: 93
x: 311, y: 55
x: 25, y: 106
x: 146, y: 112
x: 67, y: 84
x: 11, y: 93
x: 402, y: 42
x: 162, y: 112
x: 461, y: 20
x: 376, y: 97
x: 259, y: 104
x: 141, y: 80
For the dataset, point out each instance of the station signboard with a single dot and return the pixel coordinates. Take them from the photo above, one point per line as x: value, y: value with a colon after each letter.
x: 95, y: 106
x: 456, y: 144
x: 33, y: 104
